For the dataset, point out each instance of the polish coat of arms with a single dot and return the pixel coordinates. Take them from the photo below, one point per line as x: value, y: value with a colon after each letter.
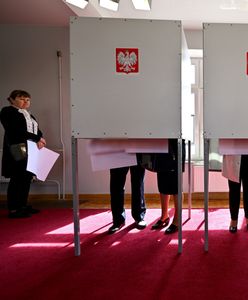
x: 127, y: 60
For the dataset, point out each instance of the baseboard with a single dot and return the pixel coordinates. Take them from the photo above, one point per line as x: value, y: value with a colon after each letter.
x: 152, y: 196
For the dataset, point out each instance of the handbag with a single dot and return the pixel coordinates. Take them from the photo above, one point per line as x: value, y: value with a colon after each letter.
x: 163, y: 162
x: 158, y: 162
x: 18, y: 151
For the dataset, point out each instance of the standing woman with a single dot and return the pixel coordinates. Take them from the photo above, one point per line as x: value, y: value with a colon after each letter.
x: 235, y: 169
x: 19, y: 126
x: 167, y: 181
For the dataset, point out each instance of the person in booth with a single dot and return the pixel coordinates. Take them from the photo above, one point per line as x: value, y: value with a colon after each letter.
x: 117, y: 191
x: 19, y: 126
x: 166, y: 167
x: 235, y: 169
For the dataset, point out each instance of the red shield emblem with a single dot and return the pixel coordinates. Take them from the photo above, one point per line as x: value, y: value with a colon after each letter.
x: 127, y: 60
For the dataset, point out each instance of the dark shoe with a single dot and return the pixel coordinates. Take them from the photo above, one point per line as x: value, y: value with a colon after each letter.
x: 232, y: 229
x: 31, y: 210
x: 171, y: 229
x: 160, y: 224
x: 115, y: 228
x: 140, y: 224
x: 19, y: 214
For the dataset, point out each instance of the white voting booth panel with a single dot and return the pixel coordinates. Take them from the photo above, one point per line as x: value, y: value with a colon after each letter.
x: 225, y: 80
x: 142, y: 104
x: 225, y: 93
x: 126, y: 78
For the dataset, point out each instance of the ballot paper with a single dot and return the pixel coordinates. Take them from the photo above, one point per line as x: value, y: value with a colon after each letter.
x: 107, y: 161
x: 233, y: 146
x: 96, y: 146
x: 40, y: 161
x: 116, y: 153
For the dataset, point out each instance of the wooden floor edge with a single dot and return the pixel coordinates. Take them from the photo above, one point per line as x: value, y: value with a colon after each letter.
x: 90, y: 197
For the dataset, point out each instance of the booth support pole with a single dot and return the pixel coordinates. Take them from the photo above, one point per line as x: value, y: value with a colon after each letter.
x: 189, y: 180
x: 179, y: 163
x: 206, y: 194
x: 76, y: 217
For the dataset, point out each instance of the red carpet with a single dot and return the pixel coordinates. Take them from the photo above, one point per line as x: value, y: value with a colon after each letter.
x: 38, y: 262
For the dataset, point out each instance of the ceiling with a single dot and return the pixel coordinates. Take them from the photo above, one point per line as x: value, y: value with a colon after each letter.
x: 192, y: 12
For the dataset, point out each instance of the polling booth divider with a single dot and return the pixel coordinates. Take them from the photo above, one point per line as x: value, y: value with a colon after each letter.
x: 225, y: 94
x: 126, y: 79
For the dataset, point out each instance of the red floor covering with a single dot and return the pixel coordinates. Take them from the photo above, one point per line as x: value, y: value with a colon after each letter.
x: 37, y: 258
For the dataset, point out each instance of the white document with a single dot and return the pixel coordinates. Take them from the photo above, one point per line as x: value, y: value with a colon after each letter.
x: 148, y: 146
x: 233, y: 146
x: 40, y: 161
x: 107, y: 161
x: 116, y: 153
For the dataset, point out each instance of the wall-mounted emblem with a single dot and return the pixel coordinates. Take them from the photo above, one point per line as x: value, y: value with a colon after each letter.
x: 127, y: 60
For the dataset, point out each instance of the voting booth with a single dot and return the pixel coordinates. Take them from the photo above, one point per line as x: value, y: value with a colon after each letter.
x: 225, y: 93
x: 126, y: 77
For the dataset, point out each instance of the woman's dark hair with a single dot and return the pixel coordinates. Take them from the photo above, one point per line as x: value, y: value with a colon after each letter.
x: 18, y: 93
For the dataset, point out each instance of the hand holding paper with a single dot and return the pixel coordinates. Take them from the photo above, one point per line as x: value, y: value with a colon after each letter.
x: 40, y: 161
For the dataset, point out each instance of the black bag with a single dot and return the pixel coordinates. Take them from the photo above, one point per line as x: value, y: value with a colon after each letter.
x: 158, y: 162
x: 18, y: 151
x: 162, y: 162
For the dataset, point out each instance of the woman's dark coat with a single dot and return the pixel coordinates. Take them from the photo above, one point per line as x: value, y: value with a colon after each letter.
x: 15, y: 127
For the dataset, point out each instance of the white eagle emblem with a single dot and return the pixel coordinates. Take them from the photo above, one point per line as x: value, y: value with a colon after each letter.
x: 127, y: 61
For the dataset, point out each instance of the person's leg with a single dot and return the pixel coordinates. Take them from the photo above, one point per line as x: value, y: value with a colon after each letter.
x: 164, y: 199
x: 244, y: 180
x: 17, y: 194
x: 164, y: 219
x: 117, y: 184
x: 245, y: 197
x: 25, y: 182
x: 138, y: 206
x: 13, y: 191
x: 174, y: 192
x: 234, y: 201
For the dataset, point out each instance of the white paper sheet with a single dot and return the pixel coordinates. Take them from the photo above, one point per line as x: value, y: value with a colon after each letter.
x: 105, y: 161
x: 233, y: 146
x: 115, y: 153
x: 147, y: 146
x: 40, y: 161
x: 128, y: 145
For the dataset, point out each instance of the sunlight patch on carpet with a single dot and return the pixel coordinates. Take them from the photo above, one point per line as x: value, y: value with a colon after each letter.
x: 42, y: 245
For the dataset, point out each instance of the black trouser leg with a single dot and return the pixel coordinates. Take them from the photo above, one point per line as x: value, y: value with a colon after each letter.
x: 117, y: 191
x: 18, y: 190
x: 244, y: 180
x: 234, y: 199
x: 137, y: 185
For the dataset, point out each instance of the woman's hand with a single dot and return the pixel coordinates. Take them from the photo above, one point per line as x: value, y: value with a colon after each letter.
x: 41, y: 143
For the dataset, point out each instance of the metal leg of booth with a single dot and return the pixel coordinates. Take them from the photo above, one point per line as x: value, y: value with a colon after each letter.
x: 76, y: 216
x: 206, y: 195
x: 179, y: 195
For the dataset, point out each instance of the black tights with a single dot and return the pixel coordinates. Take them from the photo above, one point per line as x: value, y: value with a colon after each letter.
x: 235, y: 188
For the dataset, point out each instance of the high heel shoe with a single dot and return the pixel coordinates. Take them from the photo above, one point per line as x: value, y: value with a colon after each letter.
x: 161, y: 224
x: 232, y: 229
x: 171, y: 229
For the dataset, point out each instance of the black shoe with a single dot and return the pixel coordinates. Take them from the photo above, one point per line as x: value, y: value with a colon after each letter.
x: 31, y: 210
x: 20, y: 213
x: 161, y: 224
x: 232, y: 229
x: 171, y: 229
x: 115, y: 227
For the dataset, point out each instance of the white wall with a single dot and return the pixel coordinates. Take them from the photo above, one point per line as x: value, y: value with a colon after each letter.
x: 28, y: 60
